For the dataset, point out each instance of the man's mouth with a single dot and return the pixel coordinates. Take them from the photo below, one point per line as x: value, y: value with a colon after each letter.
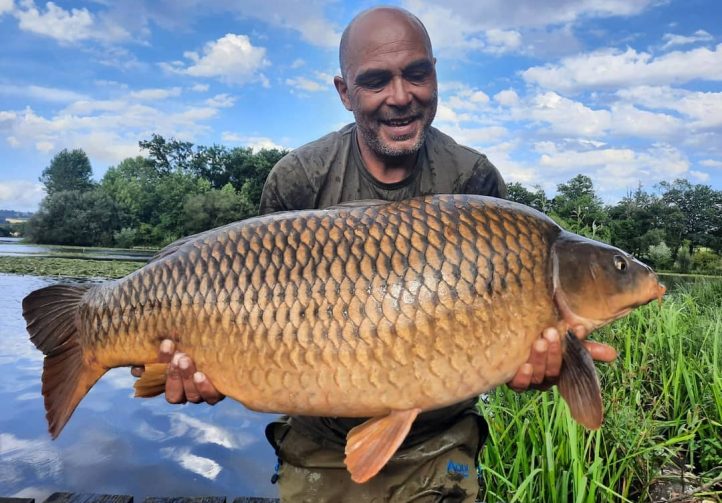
x: 398, y: 122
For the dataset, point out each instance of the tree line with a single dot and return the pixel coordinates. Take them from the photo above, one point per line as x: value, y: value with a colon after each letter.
x: 179, y: 188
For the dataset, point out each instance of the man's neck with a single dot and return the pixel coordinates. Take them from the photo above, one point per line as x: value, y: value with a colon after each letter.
x: 386, y: 169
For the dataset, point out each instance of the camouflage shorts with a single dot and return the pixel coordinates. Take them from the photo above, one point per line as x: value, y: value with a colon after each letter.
x: 440, y: 468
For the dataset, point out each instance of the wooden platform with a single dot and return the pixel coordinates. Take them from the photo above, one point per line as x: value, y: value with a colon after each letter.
x: 116, y: 498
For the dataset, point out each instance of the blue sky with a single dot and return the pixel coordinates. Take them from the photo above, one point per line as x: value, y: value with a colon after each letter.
x: 625, y: 91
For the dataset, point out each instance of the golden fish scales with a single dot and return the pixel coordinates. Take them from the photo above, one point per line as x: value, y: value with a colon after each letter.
x: 353, y: 312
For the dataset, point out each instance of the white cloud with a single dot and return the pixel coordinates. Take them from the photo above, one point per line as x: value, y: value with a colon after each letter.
x: 610, y: 68
x: 297, y: 63
x: 221, y: 101
x: 672, y: 40
x: 66, y: 26
x: 40, y: 93
x: 700, y: 176
x: 232, y: 59
x: 306, y: 84
x: 615, y: 169
x: 20, y: 195
x: 711, y: 163
x: 6, y: 6
x: 200, y: 88
x: 501, y: 41
x: 507, y: 97
x: 502, y: 14
x: 319, y: 82
x: 704, y: 109
x: 156, y: 94
x: 255, y: 142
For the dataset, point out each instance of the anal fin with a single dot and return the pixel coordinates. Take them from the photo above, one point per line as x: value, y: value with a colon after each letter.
x: 152, y: 382
x: 579, y: 385
x: 370, y: 445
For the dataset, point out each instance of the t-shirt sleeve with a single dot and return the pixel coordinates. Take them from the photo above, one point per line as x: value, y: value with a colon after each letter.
x: 287, y: 187
x: 485, y: 180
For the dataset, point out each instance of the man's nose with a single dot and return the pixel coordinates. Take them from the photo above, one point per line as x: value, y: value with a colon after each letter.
x: 399, y: 93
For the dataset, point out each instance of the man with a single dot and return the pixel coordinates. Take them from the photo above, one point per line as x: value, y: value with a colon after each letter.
x: 391, y: 152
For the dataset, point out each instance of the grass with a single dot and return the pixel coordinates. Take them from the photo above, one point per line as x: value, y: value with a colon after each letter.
x: 663, y: 408
x: 68, y: 267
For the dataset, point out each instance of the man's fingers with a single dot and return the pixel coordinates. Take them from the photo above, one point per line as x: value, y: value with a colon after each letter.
x: 554, y: 353
x: 137, y: 371
x: 167, y: 351
x: 174, y: 392
x: 207, y: 391
x: 522, y: 379
x: 538, y: 360
x: 187, y: 369
x: 601, y: 352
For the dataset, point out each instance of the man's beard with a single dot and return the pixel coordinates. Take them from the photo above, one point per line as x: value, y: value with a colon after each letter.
x: 374, y: 142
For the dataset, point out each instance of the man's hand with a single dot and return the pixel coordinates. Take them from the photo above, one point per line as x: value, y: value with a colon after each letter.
x: 545, y: 361
x: 184, y: 383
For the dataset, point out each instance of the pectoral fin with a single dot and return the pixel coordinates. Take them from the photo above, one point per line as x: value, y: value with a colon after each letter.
x: 152, y: 382
x: 370, y: 445
x: 579, y: 385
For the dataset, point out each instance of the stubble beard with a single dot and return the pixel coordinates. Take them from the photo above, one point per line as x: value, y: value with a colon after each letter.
x: 373, y: 140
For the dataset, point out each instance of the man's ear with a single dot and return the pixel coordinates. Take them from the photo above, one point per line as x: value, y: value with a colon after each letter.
x: 342, y: 90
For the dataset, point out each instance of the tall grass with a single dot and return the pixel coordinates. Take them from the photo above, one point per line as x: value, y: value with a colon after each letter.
x: 663, y: 407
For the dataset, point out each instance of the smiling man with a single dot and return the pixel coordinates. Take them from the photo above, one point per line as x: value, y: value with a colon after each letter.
x: 390, y: 152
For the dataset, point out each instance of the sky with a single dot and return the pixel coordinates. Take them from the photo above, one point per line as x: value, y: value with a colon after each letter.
x: 627, y: 92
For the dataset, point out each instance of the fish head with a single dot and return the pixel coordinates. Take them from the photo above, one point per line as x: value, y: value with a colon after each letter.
x: 595, y: 283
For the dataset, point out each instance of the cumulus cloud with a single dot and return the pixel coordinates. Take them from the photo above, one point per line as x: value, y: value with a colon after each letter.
x: 711, y: 163
x: 221, y: 101
x: 233, y: 59
x: 255, y: 142
x: 6, y: 6
x: 704, y: 109
x: 66, y: 26
x: 611, y: 68
x: 318, y: 82
x: 21, y: 195
x: 672, y: 40
x: 156, y: 94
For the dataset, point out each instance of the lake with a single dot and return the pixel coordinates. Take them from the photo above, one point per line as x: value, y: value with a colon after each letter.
x: 16, y: 247
x: 116, y: 444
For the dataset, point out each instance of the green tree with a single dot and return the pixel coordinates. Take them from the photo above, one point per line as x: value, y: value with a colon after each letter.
x: 68, y: 171
x: 212, y: 209
x: 73, y: 217
x: 683, y: 262
x: 700, y: 209
x: 578, y: 205
x: 520, y: 194
x: 659, y: 255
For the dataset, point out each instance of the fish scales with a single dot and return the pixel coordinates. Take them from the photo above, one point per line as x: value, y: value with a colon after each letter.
x: 287, y: 306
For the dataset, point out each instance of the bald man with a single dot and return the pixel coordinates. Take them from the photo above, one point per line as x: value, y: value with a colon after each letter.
x: 390, y: 152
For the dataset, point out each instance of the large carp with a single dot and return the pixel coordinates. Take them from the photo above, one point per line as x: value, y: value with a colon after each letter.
x: 371, y: 309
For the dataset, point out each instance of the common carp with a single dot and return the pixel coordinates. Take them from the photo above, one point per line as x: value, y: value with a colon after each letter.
x: 368, y: 309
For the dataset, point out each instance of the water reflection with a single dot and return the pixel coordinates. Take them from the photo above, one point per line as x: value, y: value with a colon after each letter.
x: 115, y: 444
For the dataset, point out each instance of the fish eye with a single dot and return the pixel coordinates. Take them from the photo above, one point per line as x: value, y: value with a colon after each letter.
x: 619, y: 263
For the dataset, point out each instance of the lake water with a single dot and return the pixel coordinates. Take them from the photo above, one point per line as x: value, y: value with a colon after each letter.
x: 15, y: 247
x: 116, y: 444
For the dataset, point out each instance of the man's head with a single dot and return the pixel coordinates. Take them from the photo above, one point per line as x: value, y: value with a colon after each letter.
x: 388, y: 80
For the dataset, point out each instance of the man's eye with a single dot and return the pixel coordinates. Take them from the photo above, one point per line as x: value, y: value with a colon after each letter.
x: 417, y: 76
x: 374, y: 84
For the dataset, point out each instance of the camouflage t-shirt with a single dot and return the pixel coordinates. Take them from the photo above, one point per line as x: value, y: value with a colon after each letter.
x: 330, y: 171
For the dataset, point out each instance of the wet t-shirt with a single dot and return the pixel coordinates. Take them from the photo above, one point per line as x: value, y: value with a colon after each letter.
x: 330, y: 171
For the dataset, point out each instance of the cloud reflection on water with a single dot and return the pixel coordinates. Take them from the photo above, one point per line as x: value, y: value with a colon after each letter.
x: 197, y: 464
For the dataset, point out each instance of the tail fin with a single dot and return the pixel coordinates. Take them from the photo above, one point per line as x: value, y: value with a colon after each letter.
x: 52, y: 317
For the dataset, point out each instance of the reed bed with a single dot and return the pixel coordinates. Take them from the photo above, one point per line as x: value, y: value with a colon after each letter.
x: 663, y: 417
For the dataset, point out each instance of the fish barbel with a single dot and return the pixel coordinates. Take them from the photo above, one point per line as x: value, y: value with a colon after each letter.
x: 368, y: 309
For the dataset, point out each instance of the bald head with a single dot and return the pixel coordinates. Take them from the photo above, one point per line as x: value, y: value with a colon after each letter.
x: 357, y: 34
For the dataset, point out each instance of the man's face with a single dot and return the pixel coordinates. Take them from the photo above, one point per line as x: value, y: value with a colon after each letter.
x: 390, y: 86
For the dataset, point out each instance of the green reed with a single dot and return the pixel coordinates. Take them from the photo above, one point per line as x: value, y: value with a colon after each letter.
x: 663, y: 407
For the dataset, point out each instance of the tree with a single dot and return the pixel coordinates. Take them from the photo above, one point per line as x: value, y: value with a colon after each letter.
x: 212, y: 209
x: 700, y: 209
x: 72, y: 217
x: 578, y: 204
x: 520, y: 194
x: 68, y: 171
